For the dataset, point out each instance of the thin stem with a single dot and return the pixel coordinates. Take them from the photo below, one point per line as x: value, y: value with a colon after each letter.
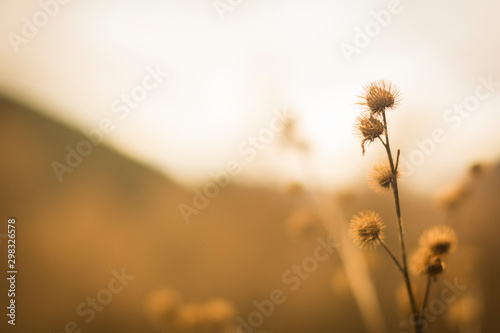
x: 427, y: 292
x: 392, y: 256
x: 397, y: 160
x: 400, y: 225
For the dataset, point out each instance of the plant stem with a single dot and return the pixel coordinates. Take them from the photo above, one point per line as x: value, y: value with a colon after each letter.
x: 427, y: 292
x: 387, y: 146
x: 392, y: 255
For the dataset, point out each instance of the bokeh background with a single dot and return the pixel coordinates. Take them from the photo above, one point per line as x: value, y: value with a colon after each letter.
x: 224, y: 71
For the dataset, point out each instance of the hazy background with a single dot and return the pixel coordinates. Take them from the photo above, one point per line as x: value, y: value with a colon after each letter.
x: 228, y: 73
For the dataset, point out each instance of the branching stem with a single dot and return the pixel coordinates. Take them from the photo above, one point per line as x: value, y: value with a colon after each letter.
x: 392, y: 256
x: 406, y: 276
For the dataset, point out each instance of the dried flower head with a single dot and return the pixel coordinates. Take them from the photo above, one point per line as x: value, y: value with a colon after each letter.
x: 219, y: 311
x: 191, y: 317
x: 380, y: 178
x: 478, y: 169
x: 439, y: 240
x: 368, y: 129
x: 162, y: 305
x: 427, y: 263
x: 452, y: 197
x: 379, y: 95
x: 366, y: 229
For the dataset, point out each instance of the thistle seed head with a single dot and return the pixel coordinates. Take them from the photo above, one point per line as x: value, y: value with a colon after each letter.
x: 451, y: 198
x: 428, y: 263
x: 219, y: 311
x: 379, y: 95
x: 162, y: 306
x: 439, y: 240
x: 380, y: 178
x: 368, y: 129
x: 366, y: 229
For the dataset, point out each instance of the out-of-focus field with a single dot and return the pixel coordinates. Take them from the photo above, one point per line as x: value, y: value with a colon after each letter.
x: 112, y: 213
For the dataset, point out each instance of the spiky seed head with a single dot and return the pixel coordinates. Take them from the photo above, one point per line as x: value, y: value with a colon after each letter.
x: 434, y: 265
x: 191, y: 316
x: 477, y: 169
x: 439, y: 240
x: 162, y: 305
x: 368, y: 129
x: 452, y: 197
x: 380, y: 178
x: 219, y: 311
x: 366, y: 229
x: 379, y: 95
x: 427, y: 263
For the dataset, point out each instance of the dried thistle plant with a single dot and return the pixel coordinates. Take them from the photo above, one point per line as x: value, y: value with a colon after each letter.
x: 379, y: 96
x: 380, y: 178
x: 439, y: 240
x: 366, y: 227
x: 368, y: 129
x: 166, y: 311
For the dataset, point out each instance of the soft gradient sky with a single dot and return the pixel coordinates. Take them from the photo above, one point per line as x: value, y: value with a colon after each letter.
x: 228, y: 72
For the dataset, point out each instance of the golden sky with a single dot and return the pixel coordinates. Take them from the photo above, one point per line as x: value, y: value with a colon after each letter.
x: 205, y: 77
